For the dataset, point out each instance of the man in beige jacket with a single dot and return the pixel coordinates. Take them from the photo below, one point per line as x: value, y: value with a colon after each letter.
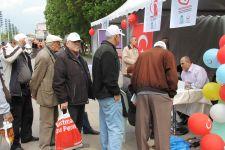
x: 129, y: 57
x: 41, y: 89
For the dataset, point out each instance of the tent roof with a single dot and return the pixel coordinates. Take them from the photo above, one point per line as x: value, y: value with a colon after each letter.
x: 134, y: 5
x: 128, y: 7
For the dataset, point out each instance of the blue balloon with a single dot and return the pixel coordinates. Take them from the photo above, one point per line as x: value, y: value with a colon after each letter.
x: 210, y: 58
x: 220, y: 74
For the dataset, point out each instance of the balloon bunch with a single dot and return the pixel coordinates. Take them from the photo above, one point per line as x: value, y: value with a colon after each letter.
x: 200, y: 124
x: 132, y: 19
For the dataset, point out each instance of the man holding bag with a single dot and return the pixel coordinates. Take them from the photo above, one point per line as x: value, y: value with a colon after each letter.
x: 72, y: 80
x: 41, y: 89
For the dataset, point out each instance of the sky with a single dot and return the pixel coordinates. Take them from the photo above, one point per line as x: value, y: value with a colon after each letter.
x: 25, y: 14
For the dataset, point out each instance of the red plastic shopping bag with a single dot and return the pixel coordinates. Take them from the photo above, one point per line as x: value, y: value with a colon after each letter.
x: 67, y: 135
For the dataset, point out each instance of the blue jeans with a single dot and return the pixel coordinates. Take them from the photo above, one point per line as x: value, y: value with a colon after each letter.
x: 111, y: 124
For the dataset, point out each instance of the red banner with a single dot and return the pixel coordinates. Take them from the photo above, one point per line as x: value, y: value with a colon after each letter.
x: 145, y: 40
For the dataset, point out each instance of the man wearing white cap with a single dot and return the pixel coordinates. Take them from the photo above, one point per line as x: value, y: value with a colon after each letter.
x: 41, y: 90
x: 154, y: 79
x: 20, y: 71
x: 105, y: 72
x: 72, y: 80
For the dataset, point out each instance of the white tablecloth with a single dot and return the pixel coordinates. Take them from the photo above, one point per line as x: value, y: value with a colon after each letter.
x: 191, y: 101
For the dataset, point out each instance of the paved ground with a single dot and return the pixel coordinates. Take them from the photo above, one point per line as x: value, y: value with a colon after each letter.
x: 92, y: 110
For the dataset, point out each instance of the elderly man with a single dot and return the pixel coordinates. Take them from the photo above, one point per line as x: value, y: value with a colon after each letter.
x: 18, y: 76
x: 193, y: 75
x: 155, y: 81
x: 105, y: 72
x: 41, y: 89
x: 72, y: 80
x: 129, y: 57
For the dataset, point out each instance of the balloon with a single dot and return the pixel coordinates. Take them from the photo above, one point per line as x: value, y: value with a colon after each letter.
x: 199, y: 124
x: 212, y: 142
x: 222, y: 92
x: 211, y: 91
x: 221, y: 55
x: 222, y: 41
x: 210, y: 58
x: 132, y: 19
x: 124, y: 24
x: 217, y: 113
x: 91, y: 32
x: 220, y: 74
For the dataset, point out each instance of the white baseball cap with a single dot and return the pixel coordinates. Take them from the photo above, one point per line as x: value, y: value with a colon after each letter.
x: 73, y: 37
x: 53, y: 38
x: 113, y: 30
x: 160, y: 44
x: 20, y: 36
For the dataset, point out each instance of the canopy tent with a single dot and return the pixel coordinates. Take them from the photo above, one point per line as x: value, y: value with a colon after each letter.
x: 128, y: 7
x: 131, y: 6
x: 192, y: 41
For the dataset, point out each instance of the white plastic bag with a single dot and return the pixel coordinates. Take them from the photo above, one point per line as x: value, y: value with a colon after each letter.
x: 8, y: 132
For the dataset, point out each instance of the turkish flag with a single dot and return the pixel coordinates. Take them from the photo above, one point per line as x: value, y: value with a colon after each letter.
x: 145, y: 40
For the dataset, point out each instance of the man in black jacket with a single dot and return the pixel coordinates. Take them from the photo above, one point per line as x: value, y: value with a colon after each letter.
x: 72, y: 81
x: 106, y: 89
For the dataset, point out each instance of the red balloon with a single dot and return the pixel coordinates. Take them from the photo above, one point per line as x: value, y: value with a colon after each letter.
x: 91, y: 32
x: 222, y: 41
x: 221, y: 55
x: 212, y: 142
x: 199, y: 124
x: 132, y: 19
x: 123, y: 24
x: 222, y: 92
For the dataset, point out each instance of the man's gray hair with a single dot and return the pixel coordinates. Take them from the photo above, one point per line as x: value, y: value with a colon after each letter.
x: 187, y: 59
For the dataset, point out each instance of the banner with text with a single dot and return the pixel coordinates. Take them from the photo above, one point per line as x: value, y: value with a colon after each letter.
x: 152, y: 18
x: 183, y: 13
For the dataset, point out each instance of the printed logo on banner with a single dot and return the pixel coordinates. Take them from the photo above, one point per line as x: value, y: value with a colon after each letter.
x: 152, y: 18
x: 184, y: 2
x: 145, y: 40
x: 154, y: 8
x: 183, y: 13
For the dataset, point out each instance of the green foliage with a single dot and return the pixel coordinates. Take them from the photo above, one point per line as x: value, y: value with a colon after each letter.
x: 65, y: 16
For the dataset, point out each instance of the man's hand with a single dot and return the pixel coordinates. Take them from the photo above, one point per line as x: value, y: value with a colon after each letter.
x: 187, y: 85
x: 117, y: 98
x: 64, y: 106
x: 34, y: 97
x: 8, y: 117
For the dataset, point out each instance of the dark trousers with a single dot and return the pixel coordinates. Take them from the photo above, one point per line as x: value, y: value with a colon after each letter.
x: 77, y: 114
x: 86, y: 124
x: 22, y: 111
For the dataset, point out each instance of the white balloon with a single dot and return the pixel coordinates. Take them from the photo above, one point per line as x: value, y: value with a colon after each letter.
x: 217, y: 113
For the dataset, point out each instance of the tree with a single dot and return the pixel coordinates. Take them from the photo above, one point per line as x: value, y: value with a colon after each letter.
x: 96, y: 9
x: 65, y: 16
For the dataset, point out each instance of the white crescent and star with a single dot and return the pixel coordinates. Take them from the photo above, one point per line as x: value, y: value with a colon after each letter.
x: 143, y: 37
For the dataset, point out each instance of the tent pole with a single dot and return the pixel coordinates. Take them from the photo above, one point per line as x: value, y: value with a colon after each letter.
x: 128, y: 30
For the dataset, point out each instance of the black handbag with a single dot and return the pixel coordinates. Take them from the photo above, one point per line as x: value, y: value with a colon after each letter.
x: 8, y: 96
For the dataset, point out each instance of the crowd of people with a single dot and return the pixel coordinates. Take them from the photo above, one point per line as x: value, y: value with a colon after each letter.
x: 61, y: 78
